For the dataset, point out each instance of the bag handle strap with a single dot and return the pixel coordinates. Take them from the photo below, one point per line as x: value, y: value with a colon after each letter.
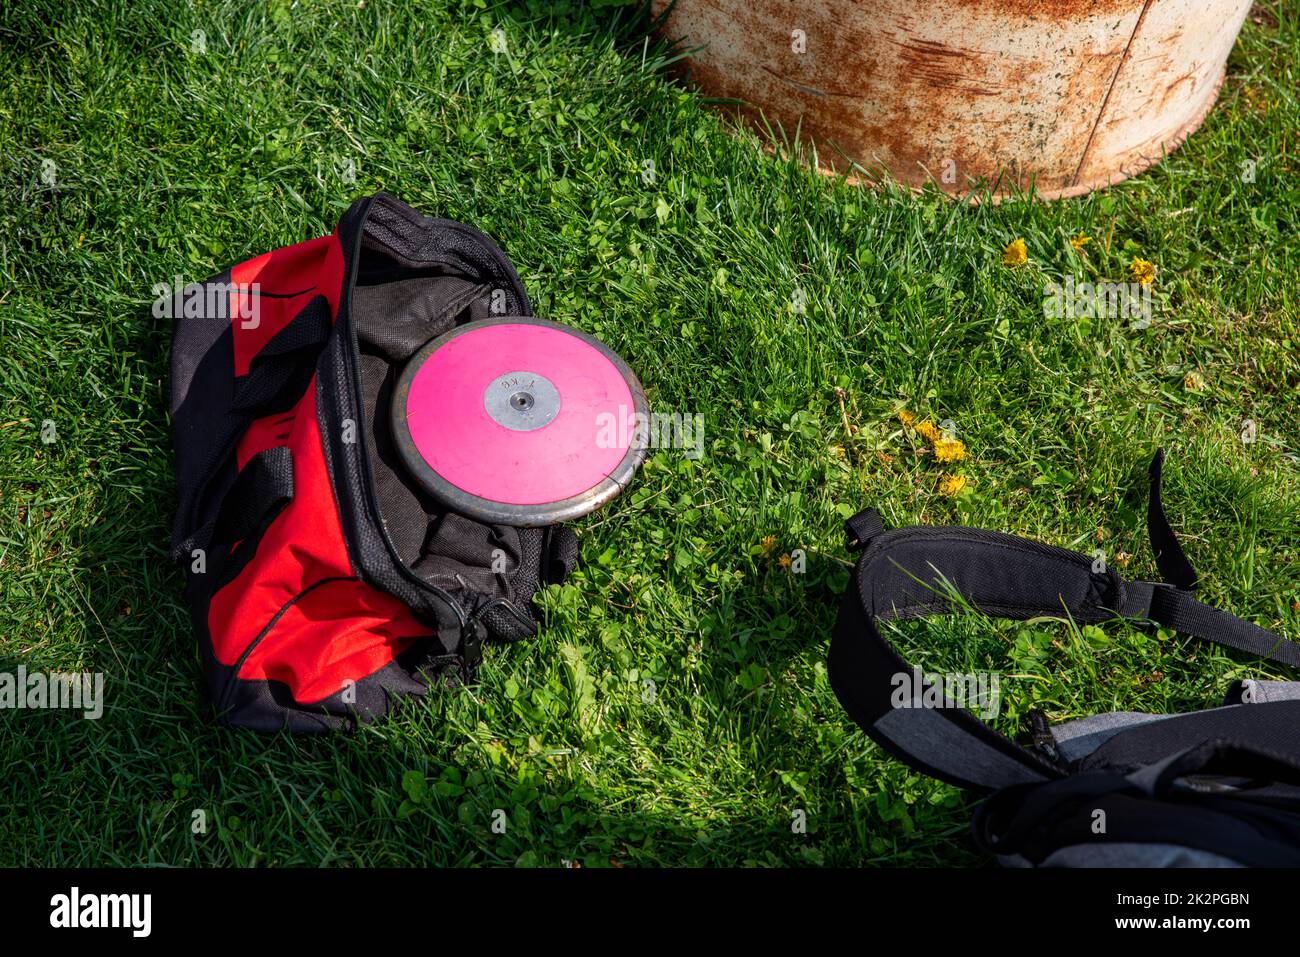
x: 262, y: 488
x: 1171, y: 607
x: 1174, y: 567
x: 281, y: 369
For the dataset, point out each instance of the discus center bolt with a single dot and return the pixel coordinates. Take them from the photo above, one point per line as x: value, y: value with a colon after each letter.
x: 521, y: 401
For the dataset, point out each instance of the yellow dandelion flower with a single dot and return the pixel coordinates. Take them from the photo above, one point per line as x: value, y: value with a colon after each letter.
x: 951, y: 485
x: 767, y: 543
x: 1015, y: 254
x: 907, y: 418
x: 1078, y: 242
x: 837, y: 451
x: 949, y: 450
x: 1194, y: 381
x: 784, y: 562
x: 928, y: 431
x: 1142, y: 272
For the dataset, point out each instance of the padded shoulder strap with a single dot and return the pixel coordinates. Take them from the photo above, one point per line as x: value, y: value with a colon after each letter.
x: 924, y: 570
x: 912, y: 572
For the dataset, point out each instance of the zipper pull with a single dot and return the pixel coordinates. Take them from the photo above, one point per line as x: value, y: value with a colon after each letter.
x: 1041, y: 730
x: 472, y: 636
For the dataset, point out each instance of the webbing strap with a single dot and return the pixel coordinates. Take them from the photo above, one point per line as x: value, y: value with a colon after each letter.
x: 1171, y: 604
x: 1171, y: 608
x: 263, y: 487
x: 1174, y: 567
x: 925, y: 570
x: 281, y: 369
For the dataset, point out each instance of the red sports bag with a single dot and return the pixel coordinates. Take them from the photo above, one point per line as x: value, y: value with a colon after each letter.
x: 325, y: 584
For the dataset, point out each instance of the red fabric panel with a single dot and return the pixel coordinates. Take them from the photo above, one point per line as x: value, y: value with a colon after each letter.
x: 339, y: 631
x: 297, y: 270
x: 303, y: 545
x: 315, y: 266
x: 336, y: 632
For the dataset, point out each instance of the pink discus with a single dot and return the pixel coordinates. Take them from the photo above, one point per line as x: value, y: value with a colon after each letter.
x: 519, y: 421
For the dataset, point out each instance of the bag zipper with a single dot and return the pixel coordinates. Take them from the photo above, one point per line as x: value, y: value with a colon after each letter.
x: 472, y: 631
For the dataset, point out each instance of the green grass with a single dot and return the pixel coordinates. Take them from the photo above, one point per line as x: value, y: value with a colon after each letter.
x: 170, y: 162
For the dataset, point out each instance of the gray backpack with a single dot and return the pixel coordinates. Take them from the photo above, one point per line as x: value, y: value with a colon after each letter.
x: 1219, y: 787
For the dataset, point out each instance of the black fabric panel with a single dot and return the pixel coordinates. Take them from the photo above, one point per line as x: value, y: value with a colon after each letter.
x: 193, y: 340
x: 404, y: 507
x: 198, y: 595
x: 1271, y: 727
x: 203, y: 427
x: 443, y: 548
x: 278, y: 375
x: 408, y: 239
x: 268, y: 706
x: 517, y: 619
x: 394, y: 320
x: 1034, y: 821
x: 561, y: 555
x: 264, y: 487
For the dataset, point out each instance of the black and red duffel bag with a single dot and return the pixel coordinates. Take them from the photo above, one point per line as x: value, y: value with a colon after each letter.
x: 325, y: 584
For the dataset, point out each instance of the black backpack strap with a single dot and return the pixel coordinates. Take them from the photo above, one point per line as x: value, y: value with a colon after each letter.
x: 924, y: 570
x: 1174, y: 567
x: 912, y: 572
x: 1170, y: 603
x: 1171, y: 608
